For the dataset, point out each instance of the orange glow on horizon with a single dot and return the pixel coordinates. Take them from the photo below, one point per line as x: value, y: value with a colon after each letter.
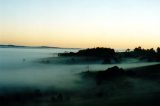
x: 120, y: 24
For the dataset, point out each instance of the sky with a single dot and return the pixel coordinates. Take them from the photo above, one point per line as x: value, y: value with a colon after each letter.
x: 80, y: 23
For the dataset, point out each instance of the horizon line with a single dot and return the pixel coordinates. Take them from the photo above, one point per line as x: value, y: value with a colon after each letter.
x: 45, y: 46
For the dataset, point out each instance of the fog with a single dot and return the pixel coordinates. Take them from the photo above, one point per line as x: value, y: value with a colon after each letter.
x: 19, y: 67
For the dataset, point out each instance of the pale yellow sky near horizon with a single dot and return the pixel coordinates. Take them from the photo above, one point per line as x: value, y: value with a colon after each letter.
x: 80, y: 24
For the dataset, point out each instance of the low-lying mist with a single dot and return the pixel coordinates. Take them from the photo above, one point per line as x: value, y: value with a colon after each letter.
x: 20, y: 68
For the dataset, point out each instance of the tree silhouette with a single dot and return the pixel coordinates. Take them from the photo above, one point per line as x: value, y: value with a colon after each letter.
x: 158, y: 50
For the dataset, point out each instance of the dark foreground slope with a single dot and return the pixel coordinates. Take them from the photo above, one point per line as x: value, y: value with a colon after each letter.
x: 111, y: 87
x: 118, y: 87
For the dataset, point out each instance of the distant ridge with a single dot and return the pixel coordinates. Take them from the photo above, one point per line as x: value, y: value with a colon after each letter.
x: 10, y: 46
x: 18, y: 46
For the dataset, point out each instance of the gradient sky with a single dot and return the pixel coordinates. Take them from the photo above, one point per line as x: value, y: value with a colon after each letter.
x: 80, y: 23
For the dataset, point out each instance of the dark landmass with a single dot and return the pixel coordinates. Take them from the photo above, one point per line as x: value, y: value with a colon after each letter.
x: 149, y: 55
x: 138, y: 86
x: 108, y: 55
x: 149, y: 72
x: 111, y: 87
x: 87, y: 56
x: 93, y: 52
